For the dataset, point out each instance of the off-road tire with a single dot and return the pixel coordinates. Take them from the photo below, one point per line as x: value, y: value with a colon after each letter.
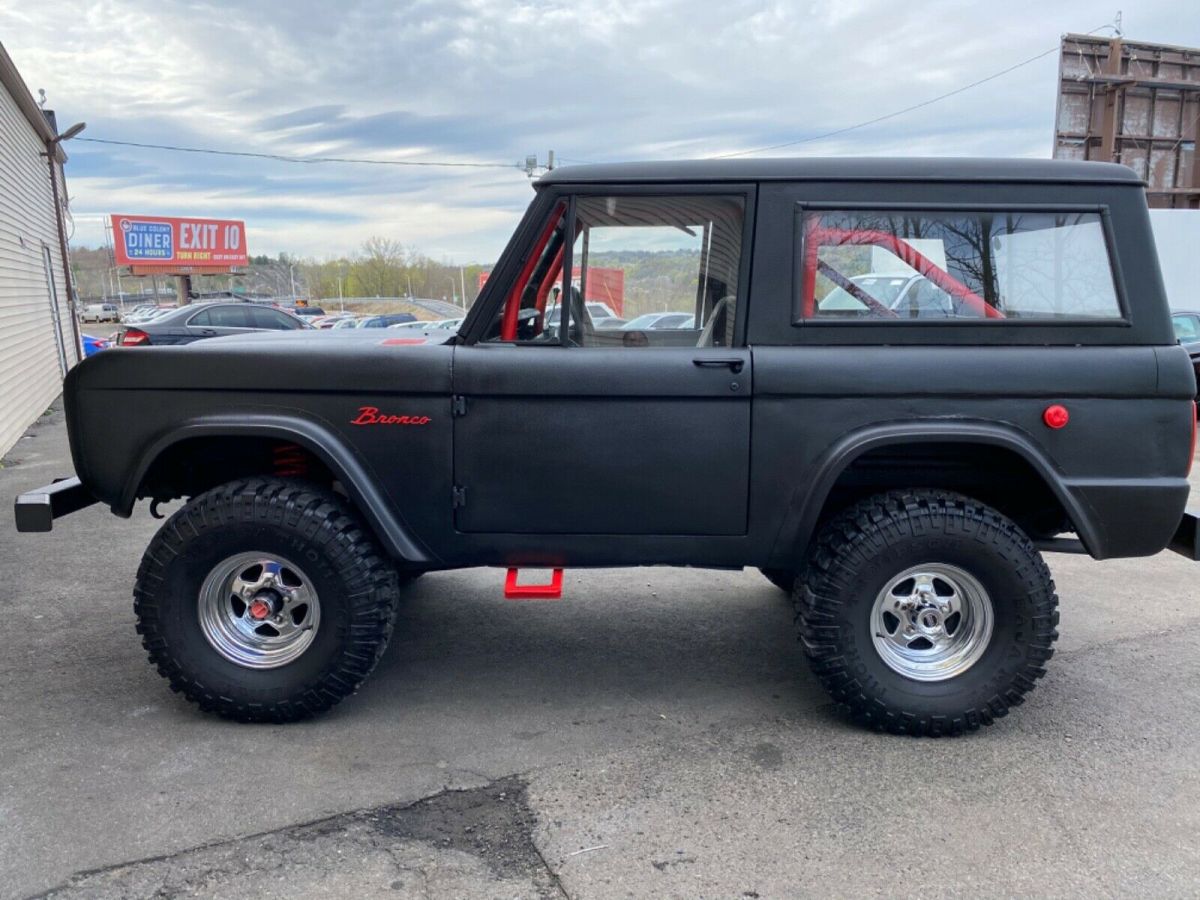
x: 356, y: 584
x: 784, y: 579
x: 856, y: 554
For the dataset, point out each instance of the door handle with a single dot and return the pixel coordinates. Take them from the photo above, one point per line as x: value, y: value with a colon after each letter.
x: 733, y: 363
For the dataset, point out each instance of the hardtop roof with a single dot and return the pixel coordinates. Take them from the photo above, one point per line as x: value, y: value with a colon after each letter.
x: 846, y: 169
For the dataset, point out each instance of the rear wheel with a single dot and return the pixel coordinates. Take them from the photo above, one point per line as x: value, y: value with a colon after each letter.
x: 264, y: 600
x: 926, y: 612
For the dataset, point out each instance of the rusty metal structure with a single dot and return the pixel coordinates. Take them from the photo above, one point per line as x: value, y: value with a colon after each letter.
x: 1133, y: 103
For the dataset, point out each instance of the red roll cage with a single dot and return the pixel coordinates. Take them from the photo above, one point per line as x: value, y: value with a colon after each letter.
x: 817, y: 236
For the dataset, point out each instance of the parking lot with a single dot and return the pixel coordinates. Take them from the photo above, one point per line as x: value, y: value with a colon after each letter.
x: 656, y: 733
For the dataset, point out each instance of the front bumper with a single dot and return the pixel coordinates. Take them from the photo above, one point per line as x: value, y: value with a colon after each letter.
x: 37, y: 510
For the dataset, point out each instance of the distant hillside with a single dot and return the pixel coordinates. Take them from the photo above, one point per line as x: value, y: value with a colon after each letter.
x: 655, y: 281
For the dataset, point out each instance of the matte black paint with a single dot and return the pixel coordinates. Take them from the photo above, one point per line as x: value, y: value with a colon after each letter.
x: 575, y: 456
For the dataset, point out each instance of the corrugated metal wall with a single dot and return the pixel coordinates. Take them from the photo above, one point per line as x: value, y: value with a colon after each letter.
x: 30, y: 368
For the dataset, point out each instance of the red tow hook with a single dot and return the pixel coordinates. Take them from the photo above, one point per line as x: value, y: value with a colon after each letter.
x: 551, y: 591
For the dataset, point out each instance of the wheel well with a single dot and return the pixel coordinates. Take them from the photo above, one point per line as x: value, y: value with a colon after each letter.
x: 194, y: 465
x: 997, y: 476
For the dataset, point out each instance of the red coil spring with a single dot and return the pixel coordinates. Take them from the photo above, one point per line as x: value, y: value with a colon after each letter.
x: 290, y: 461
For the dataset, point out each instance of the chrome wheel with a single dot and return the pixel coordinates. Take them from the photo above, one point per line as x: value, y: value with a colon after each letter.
x: 932, y: 622
x: 258, y: 610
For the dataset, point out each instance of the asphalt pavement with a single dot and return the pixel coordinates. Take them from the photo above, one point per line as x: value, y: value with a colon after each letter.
x: 654, y: 734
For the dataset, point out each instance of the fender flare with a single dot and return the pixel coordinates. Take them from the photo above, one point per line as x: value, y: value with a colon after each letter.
x: 806, y: 504
x: 391, y: 530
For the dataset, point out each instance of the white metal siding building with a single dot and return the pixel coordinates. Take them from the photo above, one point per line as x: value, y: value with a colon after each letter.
x: 38, y: 340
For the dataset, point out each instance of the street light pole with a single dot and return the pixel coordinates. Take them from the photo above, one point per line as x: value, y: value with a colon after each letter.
x: 50, y: 153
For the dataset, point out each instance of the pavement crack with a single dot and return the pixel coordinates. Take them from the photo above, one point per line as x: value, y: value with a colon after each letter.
x: 441, y: 833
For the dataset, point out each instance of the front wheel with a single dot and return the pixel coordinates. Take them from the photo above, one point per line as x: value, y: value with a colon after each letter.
x: 265, y: 600
x: 925, y: 612
x: 784, y: 579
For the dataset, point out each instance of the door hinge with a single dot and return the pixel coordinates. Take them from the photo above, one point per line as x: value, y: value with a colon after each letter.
x: 460, y: 496
x: 459, y: 407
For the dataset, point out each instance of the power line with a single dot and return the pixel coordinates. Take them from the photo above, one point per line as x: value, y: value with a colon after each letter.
x: 907, y: 109
x: 279, y: 157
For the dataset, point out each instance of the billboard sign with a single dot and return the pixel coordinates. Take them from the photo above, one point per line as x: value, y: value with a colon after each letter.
x: 604, y: 285
x: 167, y: 242
x: 1134, y: 103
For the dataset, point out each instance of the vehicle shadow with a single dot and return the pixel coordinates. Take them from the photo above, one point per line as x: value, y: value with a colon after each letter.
x: 671, y: 642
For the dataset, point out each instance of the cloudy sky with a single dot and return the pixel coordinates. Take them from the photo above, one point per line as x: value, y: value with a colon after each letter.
x: 489, y: 82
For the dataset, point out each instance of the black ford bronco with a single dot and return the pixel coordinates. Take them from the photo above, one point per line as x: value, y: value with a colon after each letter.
x: 894, y: 383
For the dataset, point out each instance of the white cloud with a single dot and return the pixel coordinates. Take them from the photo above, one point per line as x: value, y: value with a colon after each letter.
x: 486, y: 81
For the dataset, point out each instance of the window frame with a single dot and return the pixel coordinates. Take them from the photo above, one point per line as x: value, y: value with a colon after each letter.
x: 1101, y: 210
x: 508, y: 270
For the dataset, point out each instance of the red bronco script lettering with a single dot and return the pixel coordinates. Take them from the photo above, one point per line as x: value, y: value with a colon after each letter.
x: 370, y: 415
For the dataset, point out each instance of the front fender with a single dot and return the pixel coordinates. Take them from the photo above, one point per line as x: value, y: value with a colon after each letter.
x: 380, y: 514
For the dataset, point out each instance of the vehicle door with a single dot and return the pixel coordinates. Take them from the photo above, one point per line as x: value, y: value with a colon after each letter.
x: 584, y: 429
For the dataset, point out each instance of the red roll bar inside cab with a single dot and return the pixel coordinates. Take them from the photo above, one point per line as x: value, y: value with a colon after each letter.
x: 817, y: 236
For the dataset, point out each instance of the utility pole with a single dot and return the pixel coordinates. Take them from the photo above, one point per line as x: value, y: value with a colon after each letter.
x: 462, y: 280
x: 532, y: 165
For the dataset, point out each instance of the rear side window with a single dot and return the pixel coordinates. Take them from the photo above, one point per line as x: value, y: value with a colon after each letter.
x: 270, y: 318
x: 222, y: 317
x: 902, y: 265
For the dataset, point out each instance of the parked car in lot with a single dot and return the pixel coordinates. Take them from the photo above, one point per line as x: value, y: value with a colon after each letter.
x: 93, y: 345
x: 427, y: 325
x: 1186, y: 325
x: 329, y: 320
x: 906, y: 294
x: 100, y: 312
x: 386, y: 320
x: 304, y: 312
x: 900, y: 477
x: 349, y: 321
x: 145, y: 312
x: 600, y: 315
x: 659, y: 321
x: 198, y: 321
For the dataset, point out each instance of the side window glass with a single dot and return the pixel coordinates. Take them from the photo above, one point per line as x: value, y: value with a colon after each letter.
x: 525, y: 315
x: 988, y: 266
x: 637, y: 257
x: 201, y: 319
x: 1185, y: 328
x: 269, y: 318
x: 229, y: 317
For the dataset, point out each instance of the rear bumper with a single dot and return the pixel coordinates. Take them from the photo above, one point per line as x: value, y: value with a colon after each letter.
x: 1186, y: 541
x: 37, y: 510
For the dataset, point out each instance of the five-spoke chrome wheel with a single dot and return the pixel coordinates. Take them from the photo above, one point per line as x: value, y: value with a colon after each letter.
x: 258, y: 610
x: 932, y: 622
